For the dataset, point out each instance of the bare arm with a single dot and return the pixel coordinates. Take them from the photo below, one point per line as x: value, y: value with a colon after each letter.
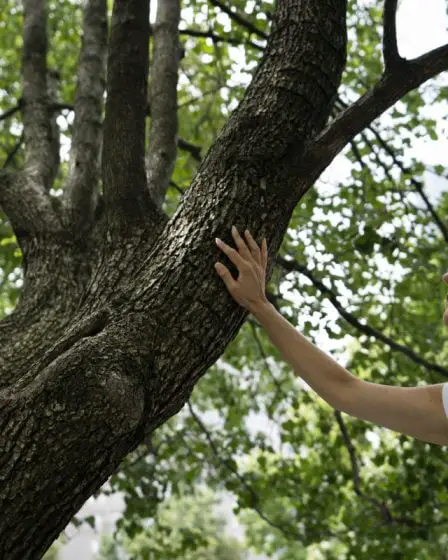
x: 414, y: 411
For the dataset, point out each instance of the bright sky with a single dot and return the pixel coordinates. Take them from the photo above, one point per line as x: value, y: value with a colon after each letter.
x: 421, y: 26
x: 419, y: 30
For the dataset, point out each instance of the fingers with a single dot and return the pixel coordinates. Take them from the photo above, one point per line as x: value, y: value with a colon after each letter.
x: 255, y: 250
x: 233, y: 255
x: 225, y: 274
x: 245, y: 256
x: 261, y: 257
x: 240, y: 243
x: 264, y: 254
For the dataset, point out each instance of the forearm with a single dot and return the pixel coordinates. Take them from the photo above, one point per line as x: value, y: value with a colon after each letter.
x: 323, y: 374
x: 415, y: 411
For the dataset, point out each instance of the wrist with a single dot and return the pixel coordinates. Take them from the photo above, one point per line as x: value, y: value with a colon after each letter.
x: 262, y: 309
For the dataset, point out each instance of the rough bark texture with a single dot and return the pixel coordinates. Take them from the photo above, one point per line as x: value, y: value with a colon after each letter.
x: 80, y: 194
x: 127, y: 198
x: 36, y: 112
x: 115, y: 326
x: 161, y: 155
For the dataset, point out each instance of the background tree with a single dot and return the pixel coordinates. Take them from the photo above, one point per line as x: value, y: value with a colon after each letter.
x: 120, y: 310
x: 187, y: 527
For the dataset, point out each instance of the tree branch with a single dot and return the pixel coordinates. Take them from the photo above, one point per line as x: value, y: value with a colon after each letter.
x: 279, y: 389
x: 392, y: 86
x: 398, y: 163
x: 182, y: 144
x: 36, y: 115
x: 414, y: 182
x: 390, y: 47
x: 219, y: 38
x: 10, y: 157
x: 10, y: 112
x: 26, y: 204
x: 161, y: 155
x: 194, y: 150
x: 176, y: 186
x: 380, y: 506
x: 81, y: 192
x: 295, y: 266
x: 240, y: 20
x: 126, y: 194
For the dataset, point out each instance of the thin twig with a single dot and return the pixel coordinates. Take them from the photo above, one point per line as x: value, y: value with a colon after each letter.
x: 417, y: 184
x: 13, y: 152
x: 194, y: 150
x: 240, y: 20
x: 219, y: 38
x: 381, y: 506
x: 9, y: 112
x: 176, y: 186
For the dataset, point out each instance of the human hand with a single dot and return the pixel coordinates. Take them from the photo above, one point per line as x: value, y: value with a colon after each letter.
x: 249, y: 289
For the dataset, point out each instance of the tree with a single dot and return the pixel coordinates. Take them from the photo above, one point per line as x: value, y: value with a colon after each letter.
x: 187, y: 527
x: 109, y: 336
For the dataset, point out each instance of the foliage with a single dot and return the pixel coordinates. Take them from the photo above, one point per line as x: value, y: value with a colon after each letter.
x: 187, y: 527
x: 372, y: 238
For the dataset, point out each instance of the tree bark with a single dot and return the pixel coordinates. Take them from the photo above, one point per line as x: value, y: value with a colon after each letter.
x: 39, y: 156
x: 161, y: 155
x: 111, y: 333
x: 81, y: 191
x: 115, y: 327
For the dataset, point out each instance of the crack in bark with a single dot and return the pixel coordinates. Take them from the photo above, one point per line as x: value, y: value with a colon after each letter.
x: 239, y: 19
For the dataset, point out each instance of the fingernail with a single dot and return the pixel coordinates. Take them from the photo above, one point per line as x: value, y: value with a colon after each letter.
x: 218, y: 241
x: 234, y: 229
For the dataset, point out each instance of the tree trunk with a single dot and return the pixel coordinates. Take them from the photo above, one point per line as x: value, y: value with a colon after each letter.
x: 121, y: 311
